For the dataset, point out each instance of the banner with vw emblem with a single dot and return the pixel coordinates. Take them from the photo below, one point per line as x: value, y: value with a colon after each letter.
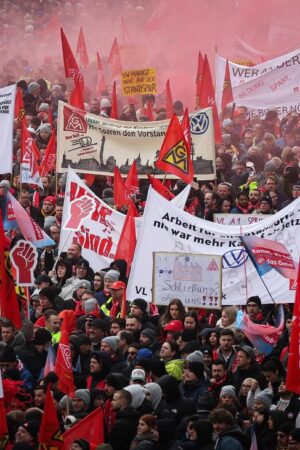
x: 166, y: 228
x: 92, y: 144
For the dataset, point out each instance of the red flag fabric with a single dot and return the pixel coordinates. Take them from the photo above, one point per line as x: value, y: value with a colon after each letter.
x: 115, y: 60
x: 120, y: 195
x: 132, y: 180
x: 174, y: 156
x: 19, y: 104
x: 9, y: 307
x: 4, y: 436
x: 199, y: 77
x: 76, y: 97
x: 81, y: 51
x: 70, y: 63
x: 90, y: 428
x: 114, y: 104
x: 127, y: 241
x: 63, y: 364
x: 207, y: 99
x: 169, y: 101
x: 50, y: 434
x: 160, y: 188
x: 48, y: 162
x: 293, y: 366
x: 30, y: 171
x: 227, y: 96
x: 186, y: 128
x: 101, y: 84
x: 148, y: 110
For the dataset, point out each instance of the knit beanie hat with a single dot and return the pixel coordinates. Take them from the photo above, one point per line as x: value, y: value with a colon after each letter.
x: 196, y: 356
x: 228, y: 390
x: 265, y: 397
x: 112, y: 341
x: 117, y: 380
x: 140, y: 303
x: 112, y: 274
x: 32, y: 427
x: 149, y: 333
x: 197, y: 368
x: 83, y: 444
x: 255, y: 299
x: 84, y: 395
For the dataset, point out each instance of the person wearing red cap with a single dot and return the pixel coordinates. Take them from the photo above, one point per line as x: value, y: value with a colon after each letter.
x: 112, y: 307
x: 48, y: 208
x: 171, y: 328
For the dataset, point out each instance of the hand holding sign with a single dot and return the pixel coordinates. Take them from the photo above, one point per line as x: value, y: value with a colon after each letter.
x: 24, y: 257
x: 80, y: 209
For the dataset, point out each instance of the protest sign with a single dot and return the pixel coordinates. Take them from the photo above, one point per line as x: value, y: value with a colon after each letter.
x: 97, y: 227
x: 194, y: 279
x: 93, y: 144
x: 239, y: 219
x: 7, y: 107
x: 287, y: 65
x: 24, y: 258
x: 165, y: 228
x: 139, y: 82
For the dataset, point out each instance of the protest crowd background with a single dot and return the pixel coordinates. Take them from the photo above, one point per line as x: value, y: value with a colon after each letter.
x: 82, y: 365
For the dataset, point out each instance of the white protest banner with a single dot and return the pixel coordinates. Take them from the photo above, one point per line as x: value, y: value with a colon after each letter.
x: 239, y: 74
x: 93, y: 144
x: 7, y: 107
x: 165, y: 228
x: 239, y: 219
x: 193, y: 278
x: 24, y: 258
x: 96, y: 226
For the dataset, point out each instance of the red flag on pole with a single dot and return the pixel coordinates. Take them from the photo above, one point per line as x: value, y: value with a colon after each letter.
x: 207, y: 99
x: 4, y: 436
x: 101, y: 85
x: 115, y: 60
x: 186, y: 128
x: 169, y: 101
x: 90, y: 428
x: 30, y: 171
x: 293, y: 366
x: 19, y: 105
x: 132, y: 181
x: 70, y: 63
x: 76, y: 97
x: 160, y: 188
x: 9, y: 307
x: 114, y: 104
x: 127, y: 241
x: 63, y: 364
x: 50, y: 434
x: 174, y: 156
x: 199, y: 77
x: 81, y: 51
x: 48, y: 162
x: 120, y: 195
x: 227, y: 96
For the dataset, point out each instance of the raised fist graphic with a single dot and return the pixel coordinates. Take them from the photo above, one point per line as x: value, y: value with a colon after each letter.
x: 80, y: 209
x: 24, y: 257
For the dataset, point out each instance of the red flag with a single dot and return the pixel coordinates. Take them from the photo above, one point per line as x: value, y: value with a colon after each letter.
x: 9, y: 307
x: 50, y: 434
x: 115, y: 60
x: 114, y: 104
x: 48, y: 162
x: 120, y: 195
x: 19, y: 105
x: 101, y: 85
x: 207, y: 99
x: 174, y: 156
x: 81, y: 51
x: 186, y: 128
x: 30, y: 171
x: 293, y: 367
x: 76, y: 97
x: 127, y: 241
x: 90, y: 428
x: 70, y: 63
x: 227, y: 96
x: 63, y: 364
x: 199, y: 77
x: 169, y: 101
x: 132, y: 181
x: 4, y: 436
x: 160, y: 188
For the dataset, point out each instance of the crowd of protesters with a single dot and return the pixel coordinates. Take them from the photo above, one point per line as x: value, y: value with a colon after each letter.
x: 166, y: 379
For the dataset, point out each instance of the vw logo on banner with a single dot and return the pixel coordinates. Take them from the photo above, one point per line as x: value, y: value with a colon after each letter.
x: 199, y: 123
x: 234, y: 258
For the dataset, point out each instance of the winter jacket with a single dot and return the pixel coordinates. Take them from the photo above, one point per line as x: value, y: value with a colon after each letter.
x: 124, y: 429
x: 232, y: 439
x: 145, y: 441
x: 175, y: 368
